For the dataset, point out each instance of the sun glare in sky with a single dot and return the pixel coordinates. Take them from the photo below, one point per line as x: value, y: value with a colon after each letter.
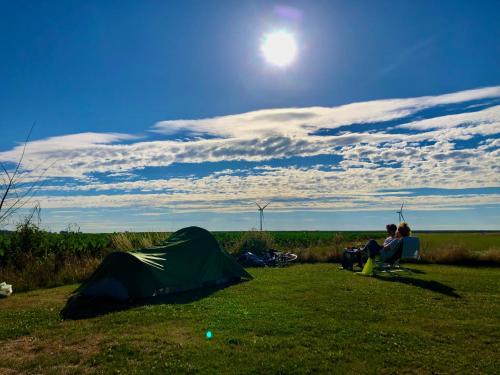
x: 279, y: 48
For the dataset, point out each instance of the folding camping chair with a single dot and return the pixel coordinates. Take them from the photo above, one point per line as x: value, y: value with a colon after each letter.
x: 409, y: 249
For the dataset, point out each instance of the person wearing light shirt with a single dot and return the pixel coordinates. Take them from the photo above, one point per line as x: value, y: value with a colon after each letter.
x: 391, y: 231
x: 388, y: 250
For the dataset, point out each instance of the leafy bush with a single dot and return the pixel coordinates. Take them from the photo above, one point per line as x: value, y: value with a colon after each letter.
x: 26, y: 244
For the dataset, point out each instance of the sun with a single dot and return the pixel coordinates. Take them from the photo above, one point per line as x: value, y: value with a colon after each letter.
x: 279, y: 48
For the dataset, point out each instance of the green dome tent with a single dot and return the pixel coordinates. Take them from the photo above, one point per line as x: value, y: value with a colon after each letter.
x: 190, y: 258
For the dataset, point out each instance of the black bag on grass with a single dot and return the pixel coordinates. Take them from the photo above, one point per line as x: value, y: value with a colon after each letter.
x: 352, y: 256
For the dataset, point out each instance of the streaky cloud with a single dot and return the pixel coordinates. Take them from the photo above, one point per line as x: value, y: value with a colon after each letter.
x: 459, y: 150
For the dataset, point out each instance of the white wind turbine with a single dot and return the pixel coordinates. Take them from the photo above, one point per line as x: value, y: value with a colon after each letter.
x: 261, y: 212
x: 400, y: 213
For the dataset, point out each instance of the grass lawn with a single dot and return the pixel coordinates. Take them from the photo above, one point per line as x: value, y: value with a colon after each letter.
x: 302, y: 319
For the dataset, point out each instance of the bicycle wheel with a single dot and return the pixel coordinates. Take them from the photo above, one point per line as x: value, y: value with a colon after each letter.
x: 290, y: 257
x: 283, y: 259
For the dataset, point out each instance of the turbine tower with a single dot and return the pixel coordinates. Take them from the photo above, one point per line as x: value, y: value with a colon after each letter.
x: 400, y: 213
x: 261, y: 212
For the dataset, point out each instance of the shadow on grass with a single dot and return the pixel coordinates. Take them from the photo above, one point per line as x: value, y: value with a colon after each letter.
x: 415, y: 271
x: 357, y: 268
x: 83, y: 307
x: 434, y: 286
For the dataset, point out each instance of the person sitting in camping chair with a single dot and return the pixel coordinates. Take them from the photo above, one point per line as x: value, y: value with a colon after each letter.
x: 391, y: 232
x: 356, y: 255
x: 390, y: 246
x: 403, y: 246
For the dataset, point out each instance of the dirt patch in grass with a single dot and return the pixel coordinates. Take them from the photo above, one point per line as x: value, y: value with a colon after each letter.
x: 29, y: 352
x: 36, y: 299
x: 176, y: 335
x: 22, y: 349
x: 162, y: 334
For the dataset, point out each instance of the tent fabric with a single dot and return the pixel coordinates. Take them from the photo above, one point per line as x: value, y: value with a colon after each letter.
x: 190, y: 258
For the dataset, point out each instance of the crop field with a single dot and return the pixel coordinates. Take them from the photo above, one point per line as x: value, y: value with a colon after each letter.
x: 45, y: 243
x: 310, y: 318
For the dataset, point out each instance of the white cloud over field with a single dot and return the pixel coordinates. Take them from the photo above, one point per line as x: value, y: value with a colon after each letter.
x: 457, y: 150
x: 336, y: 202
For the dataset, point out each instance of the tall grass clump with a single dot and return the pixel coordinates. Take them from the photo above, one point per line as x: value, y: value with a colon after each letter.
x: 451, y: 254
x: 311, y: 246
x: 322, y: 247
x: 121, y: 242
x: 457, y: 254
x: 490, y: 256
x: 460, y: 248
x: 41, y: 274
x: 257, y: 242
x: 128, y: 241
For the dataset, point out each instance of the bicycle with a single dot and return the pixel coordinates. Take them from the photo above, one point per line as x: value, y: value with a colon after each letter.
x: 271, y: 258
x: 279, y: 259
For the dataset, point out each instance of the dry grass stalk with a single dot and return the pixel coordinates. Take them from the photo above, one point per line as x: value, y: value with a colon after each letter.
x: 121, y: 241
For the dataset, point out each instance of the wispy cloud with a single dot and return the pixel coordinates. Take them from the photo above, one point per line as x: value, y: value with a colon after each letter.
x: 380, y: 145
x: 300, y: 121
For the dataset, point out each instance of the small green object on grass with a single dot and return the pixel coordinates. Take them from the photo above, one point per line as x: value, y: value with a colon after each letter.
x: 209, y: 335
x: 368, y: 268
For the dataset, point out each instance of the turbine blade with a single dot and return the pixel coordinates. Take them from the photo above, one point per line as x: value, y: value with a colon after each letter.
x: 267, y: 204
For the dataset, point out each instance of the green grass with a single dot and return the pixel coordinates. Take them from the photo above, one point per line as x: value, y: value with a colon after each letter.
x: 301, y: 319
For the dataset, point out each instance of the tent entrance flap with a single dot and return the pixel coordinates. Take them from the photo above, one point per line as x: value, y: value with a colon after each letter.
x: 107, y: 287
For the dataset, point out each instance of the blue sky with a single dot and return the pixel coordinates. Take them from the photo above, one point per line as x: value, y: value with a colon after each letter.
x: 162, y: 114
